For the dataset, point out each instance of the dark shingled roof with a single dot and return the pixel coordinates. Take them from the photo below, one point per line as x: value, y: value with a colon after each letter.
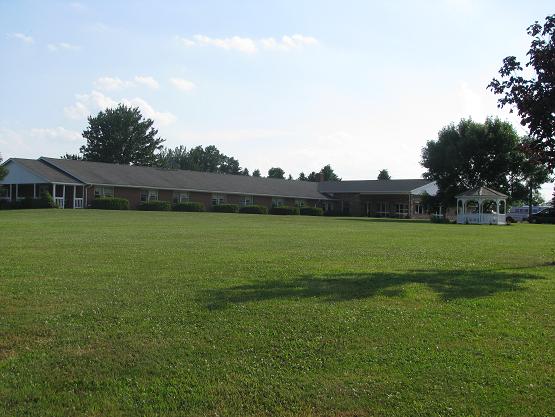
x: 150, y: 177
x: 49, y: 173
x: 482, y: 192
x: 372, y: 186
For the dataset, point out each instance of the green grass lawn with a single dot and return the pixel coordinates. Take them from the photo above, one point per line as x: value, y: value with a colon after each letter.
x: 204, y: 314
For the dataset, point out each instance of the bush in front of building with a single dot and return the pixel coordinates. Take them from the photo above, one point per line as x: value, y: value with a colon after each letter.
x: 285, y: 210
x: 190, y: 206
x: 436, y: 218
x: 254, y: 209
x: 110, y: 203
x: 155, y: 205
x: 311, y: 211
x: 226, y: 208
x: 45, y: 201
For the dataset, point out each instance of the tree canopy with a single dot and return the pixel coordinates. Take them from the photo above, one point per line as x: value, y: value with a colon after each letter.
x: 3, y: 170
x: 384, y: 175
x: 256, y: 173
x: 534, y: 96
x: 121, y: 135
x: 327, y: 172
x: 276, y: 173
x: 471, y: 154
x: 208, y: 159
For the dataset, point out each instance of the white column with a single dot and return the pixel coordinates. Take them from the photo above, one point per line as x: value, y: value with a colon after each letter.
x: 54, y: 191
x: 64, y: 195
x: 74, y: 195
x: 16, y: 191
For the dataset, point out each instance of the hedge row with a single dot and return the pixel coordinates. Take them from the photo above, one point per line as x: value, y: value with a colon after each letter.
x: 45, y: 201
x: 254, y: 209
x: 110, y: 203
x: 155, y: 205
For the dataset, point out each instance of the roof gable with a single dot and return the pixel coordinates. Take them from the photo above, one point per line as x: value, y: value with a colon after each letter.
x: 482, y: 192
x: 31, y: 171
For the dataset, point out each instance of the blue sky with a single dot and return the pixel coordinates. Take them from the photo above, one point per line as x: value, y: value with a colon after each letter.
x: 361, y: 85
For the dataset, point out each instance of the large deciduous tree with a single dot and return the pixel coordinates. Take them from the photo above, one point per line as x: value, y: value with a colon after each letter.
x: 121, y: 135
x: 471, y: 154
x: 533, y: 96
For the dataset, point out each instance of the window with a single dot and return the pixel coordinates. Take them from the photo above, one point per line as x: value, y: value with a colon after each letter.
x: 246, y: 200
x: 181, y: 197
x: 402, y: 209
x: 300, y: 203
x: 103, y: 191
x: 218, y: 199
x: 277, y: 202
x: 4, y: 192
x: 149, y: 195
x: 418, y: 208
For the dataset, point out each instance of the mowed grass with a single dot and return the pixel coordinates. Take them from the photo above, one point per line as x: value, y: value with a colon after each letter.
x: 203, y: 314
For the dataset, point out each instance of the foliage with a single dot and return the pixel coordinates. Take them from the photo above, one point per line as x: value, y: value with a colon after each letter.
x: 284, y: 210
x: 276, y: 173
x: 254, y: 209
x: 155, y: 205
x: 110, y: 203
x: 225, y: 208
x: 121, y: 136
x: 534, y: 97
x: 311, y: 211
x: 201, y: 315
x: 72, y: 156
x: 256, y: 173
x: 245, y: 172
x: 435, y: 218
x: 384, y: 175
x: 44, y: 201
x: 473, y: 154
x: 189, y: 206
x: 326, y: 174
x: 3, y: 170
x: 302, y: 177
x: 208, y: 159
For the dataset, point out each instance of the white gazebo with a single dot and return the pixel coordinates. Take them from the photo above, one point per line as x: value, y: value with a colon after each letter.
x: 481, y: 205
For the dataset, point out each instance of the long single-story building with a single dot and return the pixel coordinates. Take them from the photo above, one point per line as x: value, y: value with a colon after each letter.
x: 75, y: 184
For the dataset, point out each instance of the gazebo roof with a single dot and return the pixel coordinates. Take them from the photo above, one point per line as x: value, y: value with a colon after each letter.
x: 482, y: 192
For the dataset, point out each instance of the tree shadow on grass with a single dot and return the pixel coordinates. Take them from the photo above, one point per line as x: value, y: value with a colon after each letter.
x: 448, y: 285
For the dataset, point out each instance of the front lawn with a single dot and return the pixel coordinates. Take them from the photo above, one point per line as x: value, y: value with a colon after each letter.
x: 205, y: 314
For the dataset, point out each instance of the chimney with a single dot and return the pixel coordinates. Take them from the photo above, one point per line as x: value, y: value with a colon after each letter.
x: 321, y: 177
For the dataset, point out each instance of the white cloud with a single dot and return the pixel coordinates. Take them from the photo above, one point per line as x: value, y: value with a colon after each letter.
x: 62, y: 46
x: 250, y: 45
x: 147, y: 81
x: 182, y: 84
x: 21, y: 37
x: 77, y: 6
x: 56, y: 133
x: 287, y: 43
x: 115, y: 83
x: 87, y: 104
x: 245, y: 45
x: 162, y: 118
x: 110, y: 83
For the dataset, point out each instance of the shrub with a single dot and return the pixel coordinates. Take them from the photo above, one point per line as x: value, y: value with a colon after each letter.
x: 285, y: 210
x: 311, y: 211
x: 6, y: 205
x: 225, y: 208
x: 436, y: 218
x: 191, y: 206
x: 254, y: 209
x: 45, y: 201
x: 110, y: 203
x: 155, y: 205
